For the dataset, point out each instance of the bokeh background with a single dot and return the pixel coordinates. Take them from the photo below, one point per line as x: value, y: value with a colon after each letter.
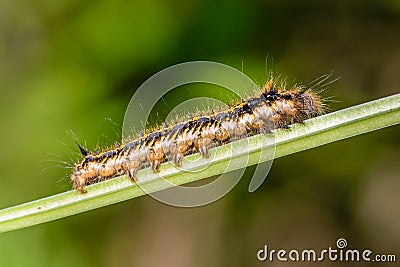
x: 72, y: 66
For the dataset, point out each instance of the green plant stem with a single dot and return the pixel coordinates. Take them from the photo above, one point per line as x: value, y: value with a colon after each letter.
x: 315, y: 132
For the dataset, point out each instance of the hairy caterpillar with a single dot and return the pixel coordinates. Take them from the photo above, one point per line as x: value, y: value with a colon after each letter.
x: 275, y: 107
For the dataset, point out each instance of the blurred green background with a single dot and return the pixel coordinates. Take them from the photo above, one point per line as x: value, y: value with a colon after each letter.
x: 69, y: 65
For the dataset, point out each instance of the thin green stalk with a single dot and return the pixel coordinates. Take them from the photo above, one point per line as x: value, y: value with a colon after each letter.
x: 322, y: 130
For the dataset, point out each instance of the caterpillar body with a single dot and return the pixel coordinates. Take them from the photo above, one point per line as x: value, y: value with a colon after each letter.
x: 274, y: 107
